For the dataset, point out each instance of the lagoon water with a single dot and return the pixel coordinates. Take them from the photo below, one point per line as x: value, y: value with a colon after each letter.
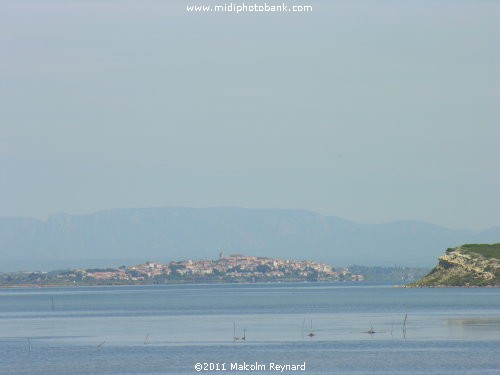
x: 168, y: 329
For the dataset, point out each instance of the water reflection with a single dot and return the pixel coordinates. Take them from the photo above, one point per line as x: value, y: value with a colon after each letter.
x: 474, y: 328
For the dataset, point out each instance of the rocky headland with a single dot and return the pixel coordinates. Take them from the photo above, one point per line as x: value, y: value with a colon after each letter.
x: 466, y: 265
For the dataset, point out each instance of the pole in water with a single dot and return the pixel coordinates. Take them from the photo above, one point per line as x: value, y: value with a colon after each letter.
x: 311, y: 334
x: 52, y: 303
x: 404, y: 326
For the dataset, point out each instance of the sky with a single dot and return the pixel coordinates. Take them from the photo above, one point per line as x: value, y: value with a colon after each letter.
x: 373, y: 111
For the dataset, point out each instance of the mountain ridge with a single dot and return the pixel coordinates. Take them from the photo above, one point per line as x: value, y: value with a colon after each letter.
x: 169, y: 233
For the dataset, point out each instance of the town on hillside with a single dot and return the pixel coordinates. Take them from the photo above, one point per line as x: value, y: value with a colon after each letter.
x: 232, y: 268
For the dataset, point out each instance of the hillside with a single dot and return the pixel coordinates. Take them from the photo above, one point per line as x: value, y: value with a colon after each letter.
x: 130, y: 236
x: 467, y: 265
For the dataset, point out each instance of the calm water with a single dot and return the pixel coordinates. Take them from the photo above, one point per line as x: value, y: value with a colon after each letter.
x: 168, y: 329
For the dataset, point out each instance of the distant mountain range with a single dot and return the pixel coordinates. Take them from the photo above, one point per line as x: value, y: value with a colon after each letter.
x: 128, y: 236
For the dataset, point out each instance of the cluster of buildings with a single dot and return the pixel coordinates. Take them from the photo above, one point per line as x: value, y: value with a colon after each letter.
x: 230, y: 268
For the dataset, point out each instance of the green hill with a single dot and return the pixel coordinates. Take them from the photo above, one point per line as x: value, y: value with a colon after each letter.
x: 487, y: 251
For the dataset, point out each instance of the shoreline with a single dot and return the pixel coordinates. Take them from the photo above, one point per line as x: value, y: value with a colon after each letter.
x: 48, y: 286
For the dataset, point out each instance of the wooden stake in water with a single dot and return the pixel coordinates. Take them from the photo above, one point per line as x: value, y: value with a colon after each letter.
x: 311, y: 334
x: 404, y: 326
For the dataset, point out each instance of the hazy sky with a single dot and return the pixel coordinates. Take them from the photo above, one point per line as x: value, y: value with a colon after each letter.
x: 369, y: 110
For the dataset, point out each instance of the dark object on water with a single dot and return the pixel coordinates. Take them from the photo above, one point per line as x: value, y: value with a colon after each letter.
x: 311, y: 333
x: 371, y: 331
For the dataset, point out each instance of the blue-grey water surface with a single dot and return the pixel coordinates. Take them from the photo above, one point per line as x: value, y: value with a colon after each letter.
x: 168, y: 329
